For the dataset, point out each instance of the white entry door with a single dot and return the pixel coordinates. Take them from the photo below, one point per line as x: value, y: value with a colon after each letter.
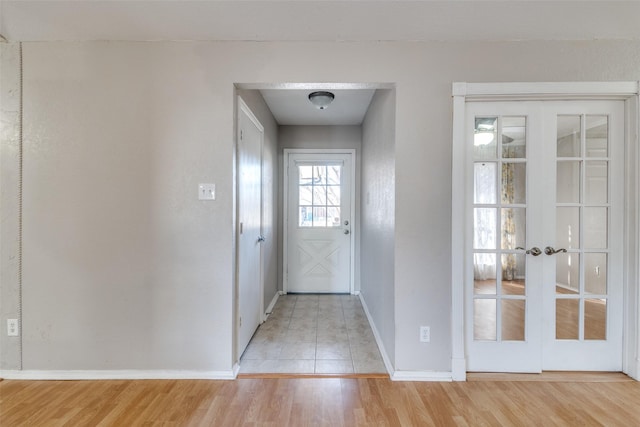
x: 249, y: 226
x: 319, y: 222
x: 545, y: 249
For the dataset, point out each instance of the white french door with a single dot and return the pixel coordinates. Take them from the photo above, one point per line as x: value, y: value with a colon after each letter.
x: 544, y: 196
x: 319, y: 222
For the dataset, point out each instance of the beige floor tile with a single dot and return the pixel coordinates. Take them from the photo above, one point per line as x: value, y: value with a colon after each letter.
x: 301, y: 335
x: 326, y: 351
x: 278, y: 366
x: 298, y: 350
x: 334, y: 367
x: 369, y: 366
x: 263, y: 350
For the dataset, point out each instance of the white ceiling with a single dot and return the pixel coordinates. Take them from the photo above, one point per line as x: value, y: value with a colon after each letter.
x: 292, y: 106
x: 308, y: 20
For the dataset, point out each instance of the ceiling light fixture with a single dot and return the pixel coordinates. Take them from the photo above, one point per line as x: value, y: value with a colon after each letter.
x: 321, y: 99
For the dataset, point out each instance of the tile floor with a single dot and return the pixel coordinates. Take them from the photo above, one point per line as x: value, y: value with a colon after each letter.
x: 314, y: 334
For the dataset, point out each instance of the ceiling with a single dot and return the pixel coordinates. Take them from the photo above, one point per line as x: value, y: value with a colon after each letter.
x: 292, y: 106
x: 309, y: 20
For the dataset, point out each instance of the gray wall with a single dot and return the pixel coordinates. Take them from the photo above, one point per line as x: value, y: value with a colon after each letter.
x: 323, y: 137
x: 377, y: 257
x: 270, y: 192
x: 125, y: 268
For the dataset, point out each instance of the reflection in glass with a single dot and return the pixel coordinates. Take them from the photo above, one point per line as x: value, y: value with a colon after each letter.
x: 595, y: 273
x: 513, y: 228
x: 597, y: 135
x: 319, y: 175
x: 568, y: 182
x: 484, y: 230
x: 484, y: 273
x: 514, y: 134
x: 568, y: 227
x: 319, y: 196
x: 513, y: 277
x: 333, y: 195
x: 484, y: 182
x: 595, y: 228
x: 596, y: 182
x: 514, y: 183
x: 485, y: 137
x: 567, y: 273
x: 484, y: 319
x: 513, y: 320
x: 595, y: 319
x: 305, y: 195
x: 568, y: 136
x: 333, y: 175
x: 567, y: 315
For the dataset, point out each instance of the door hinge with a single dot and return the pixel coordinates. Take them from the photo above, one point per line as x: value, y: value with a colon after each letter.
x: 241, y: 322
x: 241, y: 227
x: 241, y: 134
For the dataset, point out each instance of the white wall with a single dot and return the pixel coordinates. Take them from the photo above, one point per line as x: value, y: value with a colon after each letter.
x: 124, y: 268
x: 377, y: 257
x: 270, y: 260
x: 349, y: 137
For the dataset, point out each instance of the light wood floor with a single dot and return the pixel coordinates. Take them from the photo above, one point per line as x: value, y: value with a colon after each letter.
x: 318, y: 402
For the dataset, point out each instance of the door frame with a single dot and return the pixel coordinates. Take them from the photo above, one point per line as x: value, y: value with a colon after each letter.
x: 285, y: 203
x: 243, y: 108
x: 626, y: 91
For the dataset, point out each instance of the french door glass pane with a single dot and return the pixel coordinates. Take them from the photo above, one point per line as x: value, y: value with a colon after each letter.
x: 485, y: 138
x: 568, y: 227
x: 595, y: 228
x: 595, y: 319
x: 596, y: 182
x: 595, y: 273
x: 484, y: 319
x: 484, y: 228
x: 567, y: 273
x: 513, y: 319
x: 513, y: 274
x: 514, y: 183
x: 567, y: 315
x: 568, y: 182
x: 513, y: 228
x: 569, y: 134
x: 484, y: 273
x: 597, y: 136
x: 484, y: 182
x: 514, y: 137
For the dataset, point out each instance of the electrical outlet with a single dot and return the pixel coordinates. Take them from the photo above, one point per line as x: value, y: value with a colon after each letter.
x: 425, y: 334
x: 13, y: 328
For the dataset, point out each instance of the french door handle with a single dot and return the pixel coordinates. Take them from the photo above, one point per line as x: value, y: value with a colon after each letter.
x: 535, y: 251
x: 550, y: 251
x: 261, y: 239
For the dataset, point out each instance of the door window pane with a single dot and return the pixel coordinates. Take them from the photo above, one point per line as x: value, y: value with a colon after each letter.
x: 484, y: 236
x: 484, y: 320
x: 485, y: 137
x: 595, y: 319
x: 484, y: 182
x: 484, y: 273
x: 595, y: 228
x: 514, y: 183
x: 513, y: 228
x: 595, y: 273
x: 568, y: 182
x: 318, y: 196
x: 568, y: 136
x: 513, y: 320
x: 596, y: 181
x: 567, y: 273
x: 513, y: 274
x: 568, y: 227
x: 597, y: 136
x: 567, y: 315
x: 514, y: 137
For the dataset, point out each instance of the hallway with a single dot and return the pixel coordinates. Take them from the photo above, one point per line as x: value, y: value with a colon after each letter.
x: 314, y: 334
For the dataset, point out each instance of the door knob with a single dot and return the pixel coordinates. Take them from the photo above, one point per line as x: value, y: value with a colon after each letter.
x: 261, y: 239
x: 535, y: 251
x: 346, y: 231
x: 550, y: 251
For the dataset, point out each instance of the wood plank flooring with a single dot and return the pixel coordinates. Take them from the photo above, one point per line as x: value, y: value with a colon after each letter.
x: 318, y: 402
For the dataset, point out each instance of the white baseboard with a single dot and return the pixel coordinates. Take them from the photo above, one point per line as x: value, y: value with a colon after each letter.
x: 273, y: 302
x: 421, y: 376
x: 383, y: 351
x: 117, y: 375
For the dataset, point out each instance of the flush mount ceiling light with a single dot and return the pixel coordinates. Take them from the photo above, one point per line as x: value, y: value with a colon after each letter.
x: 321, y: 99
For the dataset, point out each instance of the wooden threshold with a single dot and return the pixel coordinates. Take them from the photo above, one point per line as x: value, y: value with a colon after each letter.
x: 290, y: 376
x: 552, y: 376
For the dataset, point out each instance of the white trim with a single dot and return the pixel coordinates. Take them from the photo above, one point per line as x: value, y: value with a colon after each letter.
x: 124, y: 374
x: 465, y: 92
x: 422, y: 376
x: 271, y: 305
x: 381, y: 347
x: 285, y: 214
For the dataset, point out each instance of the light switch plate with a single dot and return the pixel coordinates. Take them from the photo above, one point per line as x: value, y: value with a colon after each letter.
x: 206, y: 191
